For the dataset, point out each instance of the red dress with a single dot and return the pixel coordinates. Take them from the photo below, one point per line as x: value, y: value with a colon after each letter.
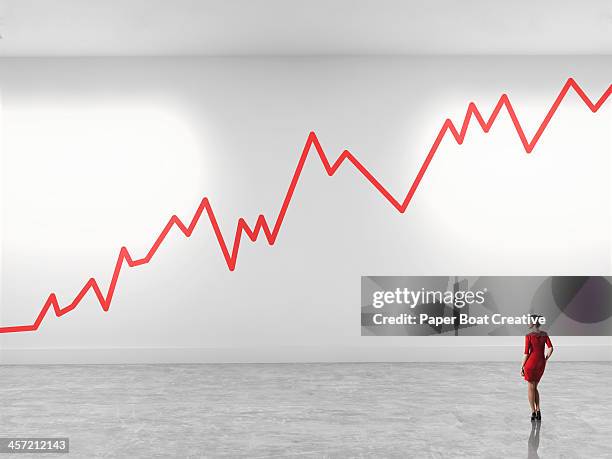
x: 535, y: 364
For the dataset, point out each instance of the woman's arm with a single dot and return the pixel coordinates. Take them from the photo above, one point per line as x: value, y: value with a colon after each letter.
x: 549, y: 349
x: 549, y: 352
x: 525, y: 355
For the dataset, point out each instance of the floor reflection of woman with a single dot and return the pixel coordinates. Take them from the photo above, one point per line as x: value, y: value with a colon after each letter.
x: 534, y: 363
x: 534, y: 441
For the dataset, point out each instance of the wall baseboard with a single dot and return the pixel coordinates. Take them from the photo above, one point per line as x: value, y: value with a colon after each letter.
x: 291, y: 354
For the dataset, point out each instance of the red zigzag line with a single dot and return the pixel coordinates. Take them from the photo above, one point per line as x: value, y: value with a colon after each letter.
x: 271, y: 234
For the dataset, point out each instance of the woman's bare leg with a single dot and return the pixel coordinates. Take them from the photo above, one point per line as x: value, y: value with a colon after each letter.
x: 531, y: 395
x: 536, y: 397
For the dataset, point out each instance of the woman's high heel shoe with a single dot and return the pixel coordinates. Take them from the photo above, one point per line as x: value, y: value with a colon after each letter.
x: 538, y: 415
x: 534, y: 416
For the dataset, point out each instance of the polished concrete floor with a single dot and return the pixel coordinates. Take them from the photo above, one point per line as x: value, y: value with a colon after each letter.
x: 310, y: 410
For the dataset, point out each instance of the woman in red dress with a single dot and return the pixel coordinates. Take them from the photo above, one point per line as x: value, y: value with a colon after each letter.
x: 534, y: 362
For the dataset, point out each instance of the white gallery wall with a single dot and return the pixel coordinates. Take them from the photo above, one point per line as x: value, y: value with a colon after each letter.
x: 99, y: 153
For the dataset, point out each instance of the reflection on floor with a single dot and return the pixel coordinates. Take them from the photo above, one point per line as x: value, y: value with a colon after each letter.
x: 311, y: 410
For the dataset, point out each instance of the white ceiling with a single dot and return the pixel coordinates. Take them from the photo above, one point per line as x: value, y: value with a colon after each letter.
x: 307, y: 27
